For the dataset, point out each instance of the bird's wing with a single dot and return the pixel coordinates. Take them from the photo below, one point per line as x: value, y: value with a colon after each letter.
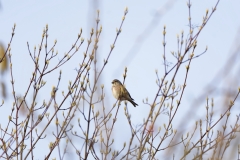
x: 128, y: 94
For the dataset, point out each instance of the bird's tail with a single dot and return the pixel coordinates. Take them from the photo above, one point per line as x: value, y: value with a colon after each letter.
x: 133, y: 103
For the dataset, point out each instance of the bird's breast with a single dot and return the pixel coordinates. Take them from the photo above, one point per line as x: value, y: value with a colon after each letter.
x: 115, y: 93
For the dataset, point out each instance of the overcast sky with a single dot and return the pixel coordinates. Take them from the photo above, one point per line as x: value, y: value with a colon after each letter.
x: 139, y: 46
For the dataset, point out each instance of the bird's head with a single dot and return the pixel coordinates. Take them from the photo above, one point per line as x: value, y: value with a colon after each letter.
x: 116, y: 81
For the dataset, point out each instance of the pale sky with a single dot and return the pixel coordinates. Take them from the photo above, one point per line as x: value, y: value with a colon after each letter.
x: 139, y: 46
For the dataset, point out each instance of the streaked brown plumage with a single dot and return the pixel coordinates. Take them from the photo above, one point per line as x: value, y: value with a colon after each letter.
x: 121, y: 93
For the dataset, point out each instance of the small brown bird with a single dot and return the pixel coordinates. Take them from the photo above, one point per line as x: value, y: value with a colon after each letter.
x: 121, y: 93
